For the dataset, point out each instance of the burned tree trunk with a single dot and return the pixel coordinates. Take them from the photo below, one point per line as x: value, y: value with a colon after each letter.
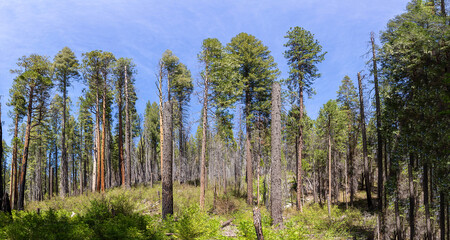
x: 167, y: 185
x: 276, y: 208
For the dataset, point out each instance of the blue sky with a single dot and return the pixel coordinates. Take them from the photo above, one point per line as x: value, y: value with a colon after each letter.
x: 143, y: 30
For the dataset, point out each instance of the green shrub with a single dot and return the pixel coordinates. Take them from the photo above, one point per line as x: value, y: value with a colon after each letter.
x: 196, y: 224
x: 47, y: 225
x: 114, y: 219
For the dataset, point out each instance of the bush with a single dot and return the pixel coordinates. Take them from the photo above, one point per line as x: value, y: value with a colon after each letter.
x: 47, y: 225
x: 196, y: 224
x: 115, y: 219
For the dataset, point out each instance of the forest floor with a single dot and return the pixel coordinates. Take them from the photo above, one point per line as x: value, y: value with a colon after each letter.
x: 135, y: 214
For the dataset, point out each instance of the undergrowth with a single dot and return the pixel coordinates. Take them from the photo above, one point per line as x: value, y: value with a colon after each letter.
x: 135, y: 214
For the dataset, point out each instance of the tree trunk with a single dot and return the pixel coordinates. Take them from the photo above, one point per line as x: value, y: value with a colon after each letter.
x: 1, y: 153
x: 276, y: 208
x: 258, y: 163
x: 23, y: 172
x: 346, y: 182
x: 379, y: 139
x: 121, y: 161
x: 161, y: 124
x: 257, y: 223
x: 364, y: 140
x: 442, y: 217
x: 167, y: 185
x: 81, y: 158
x: 56, y: 169
x: 13, y: 180
x: 351, y: 168
x: 412, y: 199
x: 98, y: 147
x: 64, y: 166
x: 182, y: 174
x: 248, y: 152
x: 102, y: 161
x: 299, y: 149
x: 396, y: 206
x: 127, y: 132
x: 329, y: 167
x: 443, y: 12
x: 426, y: 202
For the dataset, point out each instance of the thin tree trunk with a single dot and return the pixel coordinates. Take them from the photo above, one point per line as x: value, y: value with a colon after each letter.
x: 121, y: 160
x: 127, y: 132
x: 102, y: 161
x: 258, y: 163
x: 396, y: 206
x: 23, y: 172
x: 329, y: 167
x: 346, y: 182
x: 379, y: 139
x: 248, y: 152
x: 81, y: 159
x: 13, y: 180
x: 364, y: 140
x: 426, y: 201
x: 167, y: 185
x: 412, y: 199
x: 299, y: 149
x: 276, y: 208
x: 55, y: 181
x: 182, y: 170
x: 98, y: 153
x: 442, y: 217
x: 1, y: 153
x: 161, y: 124
x: 64, y: 166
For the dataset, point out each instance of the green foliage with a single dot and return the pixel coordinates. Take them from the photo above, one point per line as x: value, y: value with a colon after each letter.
x: 195, y: 224
x: 65, y: 68
x: 303, y: 54
x: 47, y: 225
x: 256, y: 70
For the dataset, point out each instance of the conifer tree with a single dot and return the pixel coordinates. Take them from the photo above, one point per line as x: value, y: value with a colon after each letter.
x: 65, y: 67
x: 303, y: 54
x: 256, y: 70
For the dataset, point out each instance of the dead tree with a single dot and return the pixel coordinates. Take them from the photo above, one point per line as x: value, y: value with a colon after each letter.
x: 167, y: 185
x: 276, y: 209
x: 364, y: 140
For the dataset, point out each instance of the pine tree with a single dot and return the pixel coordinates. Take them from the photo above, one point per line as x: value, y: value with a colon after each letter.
x: 256, y: 70
x: 33, y: 82
x: 303, y: 54
x: 65, y: 67
x: 347, y: 98
x: 180, y: 88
